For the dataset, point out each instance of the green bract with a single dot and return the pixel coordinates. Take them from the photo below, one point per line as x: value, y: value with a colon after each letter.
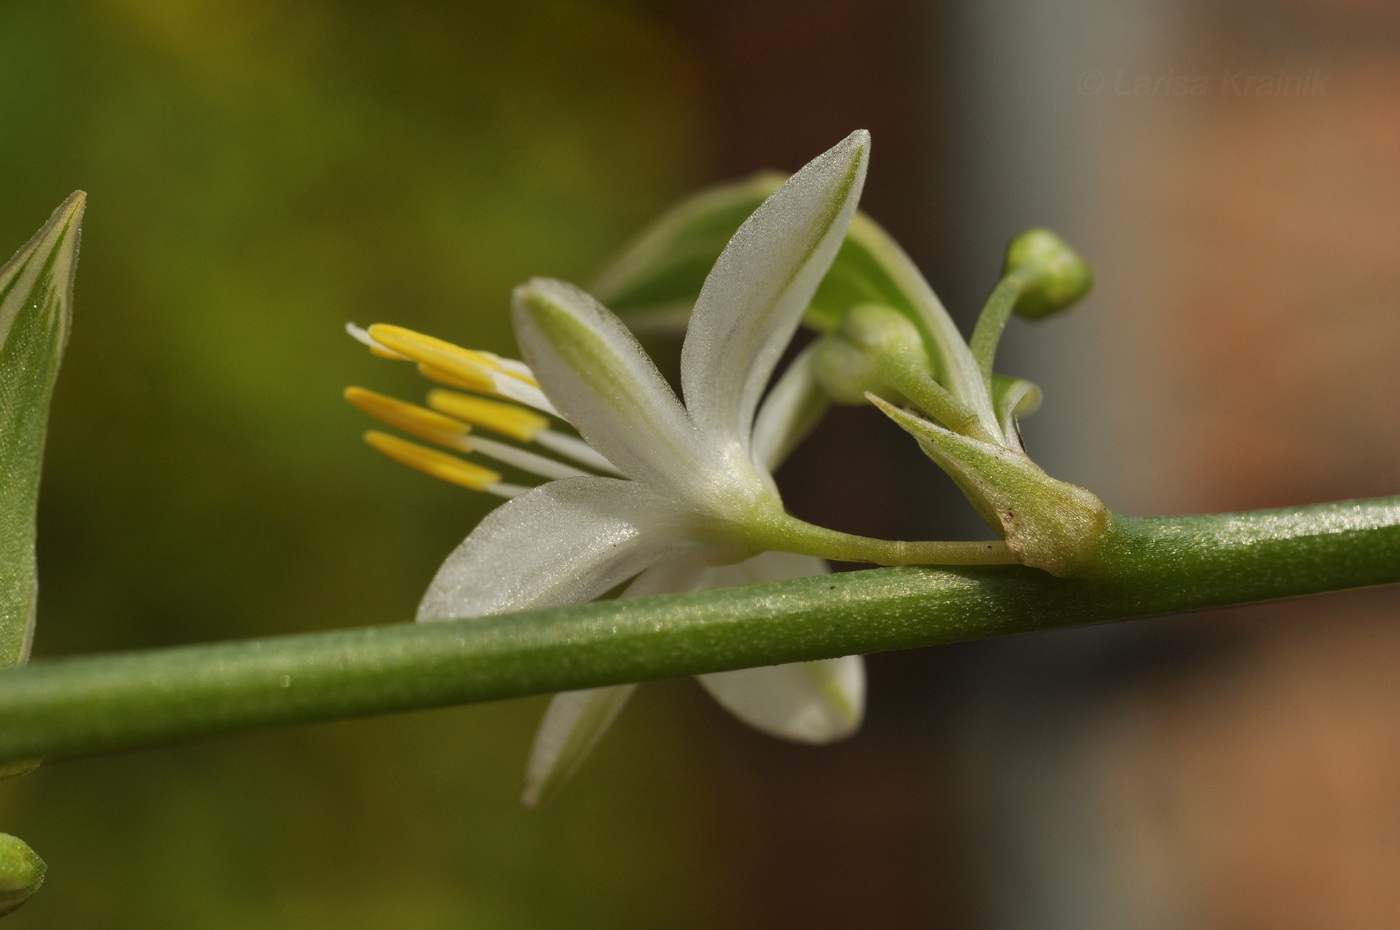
x: 36, y: 288
x: 36, y: 293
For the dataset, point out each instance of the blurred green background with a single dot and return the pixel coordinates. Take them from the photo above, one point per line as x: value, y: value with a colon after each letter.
x: 259, y: 172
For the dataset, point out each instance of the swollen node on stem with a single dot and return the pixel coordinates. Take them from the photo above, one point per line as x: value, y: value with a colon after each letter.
x: 1047, y: 523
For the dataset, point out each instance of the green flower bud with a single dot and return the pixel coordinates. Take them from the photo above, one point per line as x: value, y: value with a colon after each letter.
x: 861, y: 356
x: 21, y: 872
x: 1056, y: 276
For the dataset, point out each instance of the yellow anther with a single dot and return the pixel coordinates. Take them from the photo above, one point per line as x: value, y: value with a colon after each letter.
x: 507, y: 419
x: 454, y: 361
x: 411, y: 418
x: 521, y: 377
x: 481, y: 383
x: 517, y: 370
x: 431, y: 462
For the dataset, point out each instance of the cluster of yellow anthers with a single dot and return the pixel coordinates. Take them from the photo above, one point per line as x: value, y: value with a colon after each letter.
x: 522, y: 413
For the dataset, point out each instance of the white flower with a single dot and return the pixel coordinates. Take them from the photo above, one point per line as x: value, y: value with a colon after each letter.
x: 694, y: 504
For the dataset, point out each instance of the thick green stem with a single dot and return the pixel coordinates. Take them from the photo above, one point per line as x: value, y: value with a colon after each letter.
x: 1145, y: 567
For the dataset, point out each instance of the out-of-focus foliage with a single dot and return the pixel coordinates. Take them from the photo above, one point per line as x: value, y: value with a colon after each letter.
x: 261, y: 171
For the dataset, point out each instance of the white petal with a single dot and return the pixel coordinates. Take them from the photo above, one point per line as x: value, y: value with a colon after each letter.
x: 753, y: 299
x: 766, y: 566
x: 565, y: 542
x: 577, y: 720
x: 789, y: 412
x: 604, y: 384
x: 571, y: 447
x: 657, y: 264
x: 811, y: 702
x: 570, y: 730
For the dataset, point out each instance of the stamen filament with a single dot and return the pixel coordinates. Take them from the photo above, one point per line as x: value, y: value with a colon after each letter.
x: 512, y: 367
x: 507, y: 490
x: 576, y: 449
x: 361, y: 335
x: 431, y: 462
x: 506, y: 385
x: 523, y: 459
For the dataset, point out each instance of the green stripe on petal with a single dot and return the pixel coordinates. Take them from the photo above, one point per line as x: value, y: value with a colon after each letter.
x: 602, y: 382
x: 36, y: 288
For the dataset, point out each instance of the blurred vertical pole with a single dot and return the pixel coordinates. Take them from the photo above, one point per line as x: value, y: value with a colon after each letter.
x: 1032, y: 147
x: 854, y: 834
x: 1228, y: 166
x: 1036, y: 147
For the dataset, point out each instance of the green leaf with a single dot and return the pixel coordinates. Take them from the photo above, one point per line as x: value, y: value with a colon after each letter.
x: 36, y: 288
x: 1013, y: 398
x: 660, y: 274
x: 654, y: 282
x: 865, y: 272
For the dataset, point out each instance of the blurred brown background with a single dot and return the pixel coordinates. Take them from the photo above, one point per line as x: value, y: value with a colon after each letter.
x: 261, y: 171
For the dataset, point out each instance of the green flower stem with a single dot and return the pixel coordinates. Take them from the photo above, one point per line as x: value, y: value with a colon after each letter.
x: 986, y: 335
x: 789, y: 534
x: 62, y: 707
x: 934, y: 399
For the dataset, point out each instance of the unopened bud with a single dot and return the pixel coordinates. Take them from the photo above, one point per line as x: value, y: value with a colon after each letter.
x: 1056, y: 276
x: 857, y: 358
x: 21, y: 872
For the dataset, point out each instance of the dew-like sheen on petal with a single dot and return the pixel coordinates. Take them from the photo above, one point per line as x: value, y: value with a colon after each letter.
x: 564, y: 542
x: 591, y: 366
